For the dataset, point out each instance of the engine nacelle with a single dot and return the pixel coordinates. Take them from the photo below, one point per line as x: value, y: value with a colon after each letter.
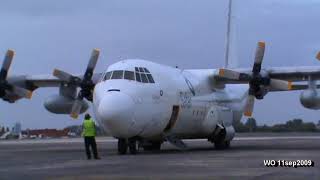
x: 310, y: 99
x: 217, y: 115
x: 62, y: 105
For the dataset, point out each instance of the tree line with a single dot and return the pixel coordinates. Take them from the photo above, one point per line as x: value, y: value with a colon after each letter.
x: 295, y: 125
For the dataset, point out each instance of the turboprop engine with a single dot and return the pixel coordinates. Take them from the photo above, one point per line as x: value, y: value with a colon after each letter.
x: 62, y: 105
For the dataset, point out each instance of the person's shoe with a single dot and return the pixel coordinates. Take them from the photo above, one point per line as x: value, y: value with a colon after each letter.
x: 89, y: 158
x: 97, y: 158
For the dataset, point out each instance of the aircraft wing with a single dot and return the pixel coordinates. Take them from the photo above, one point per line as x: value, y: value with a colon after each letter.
x: 291, y: 74
x: 262, y: 80
x: 39, y: 81
x: 25, y: 85
x: 16, y: 87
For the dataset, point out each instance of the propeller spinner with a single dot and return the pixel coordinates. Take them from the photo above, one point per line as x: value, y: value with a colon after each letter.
x: 85, y: 83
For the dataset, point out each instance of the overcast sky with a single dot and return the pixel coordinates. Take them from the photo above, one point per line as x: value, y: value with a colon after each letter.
x: 188, y: 33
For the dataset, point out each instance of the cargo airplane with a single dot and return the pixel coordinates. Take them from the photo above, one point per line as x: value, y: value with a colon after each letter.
x: 143, y: 104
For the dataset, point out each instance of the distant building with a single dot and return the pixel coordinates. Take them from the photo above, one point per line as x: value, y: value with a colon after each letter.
x: 2, y: 130
x: 318, y: 125
x: 46, y: 133
x: 16, y: 130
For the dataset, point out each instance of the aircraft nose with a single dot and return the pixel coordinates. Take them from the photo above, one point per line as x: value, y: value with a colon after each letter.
x: 116, y: 111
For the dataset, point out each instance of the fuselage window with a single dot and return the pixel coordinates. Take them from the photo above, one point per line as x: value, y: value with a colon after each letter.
x: 129, y: 75
x: 117, y: 75
x: 144, y: 78
x: 138, y: 77
x: 150, y: 78
x: 107, y: 76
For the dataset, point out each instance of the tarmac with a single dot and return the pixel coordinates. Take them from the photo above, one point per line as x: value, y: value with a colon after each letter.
x: 65, y: 159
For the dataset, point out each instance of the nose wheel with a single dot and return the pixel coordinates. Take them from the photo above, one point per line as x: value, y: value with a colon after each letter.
x: 132, y: 145
x: 124, y: 144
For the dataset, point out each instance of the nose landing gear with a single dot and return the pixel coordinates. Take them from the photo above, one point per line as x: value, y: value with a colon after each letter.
x: 132, y: 145
x: 124, y: 144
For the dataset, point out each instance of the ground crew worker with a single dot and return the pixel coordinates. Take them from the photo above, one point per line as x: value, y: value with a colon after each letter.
x: 89, y: 133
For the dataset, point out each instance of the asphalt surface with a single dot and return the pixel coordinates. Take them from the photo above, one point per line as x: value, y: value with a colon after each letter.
x: 65, y: 159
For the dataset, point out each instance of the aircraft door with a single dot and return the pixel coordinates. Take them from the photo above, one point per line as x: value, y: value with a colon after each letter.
x: 173, y: 118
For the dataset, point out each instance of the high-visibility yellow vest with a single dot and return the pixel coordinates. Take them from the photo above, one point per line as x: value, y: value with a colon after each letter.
x: 89, y: 128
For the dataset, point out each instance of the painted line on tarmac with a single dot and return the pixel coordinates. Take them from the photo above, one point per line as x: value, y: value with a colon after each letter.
x: 110, y: 139
x: 276, y: 138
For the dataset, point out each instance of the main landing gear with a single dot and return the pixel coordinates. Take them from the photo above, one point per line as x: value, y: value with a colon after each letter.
x: 221, y: 144
x: 219, y: 139
x: 122, y: 146
x: 133, y: 144
x: 152, y: 146
x: 125, y: 144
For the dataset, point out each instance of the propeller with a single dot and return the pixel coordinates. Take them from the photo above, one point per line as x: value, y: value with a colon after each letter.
x: 5, y: 86
x: 85, y: 83
x: 257, y: 80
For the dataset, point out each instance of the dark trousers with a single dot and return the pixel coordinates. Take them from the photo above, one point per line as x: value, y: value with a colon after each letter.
x: 91, y: 141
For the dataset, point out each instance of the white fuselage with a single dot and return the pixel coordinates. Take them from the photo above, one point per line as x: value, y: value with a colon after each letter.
x: 128, y: 108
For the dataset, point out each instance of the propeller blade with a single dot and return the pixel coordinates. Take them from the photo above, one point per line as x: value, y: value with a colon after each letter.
x: 230, y: 74
x: 248, y: 109
x: 258, y: 57
x: 76, y: 107
x: 62, y: 75
x: 92, y: 64
x: 226, y: 73
x: 6, y: 64
x: 22, y: 92
x: 280, y: 84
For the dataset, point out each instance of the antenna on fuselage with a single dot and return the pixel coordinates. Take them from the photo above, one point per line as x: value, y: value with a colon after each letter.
x: 226, y: 56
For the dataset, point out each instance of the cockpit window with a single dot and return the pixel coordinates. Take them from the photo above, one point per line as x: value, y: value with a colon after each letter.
x: 107, y: 76
x: 150, y: 78
x: 144, y: 78
x: 129, y: 75
x: 145, y: 75
x: 117, y: 75
x: 141, y: 74
x: 146, y: 70
x: 138, y: 78
x: 141, y: 69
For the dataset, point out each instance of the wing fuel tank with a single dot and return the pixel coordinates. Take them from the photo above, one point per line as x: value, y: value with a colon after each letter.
x: 310, y: 99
